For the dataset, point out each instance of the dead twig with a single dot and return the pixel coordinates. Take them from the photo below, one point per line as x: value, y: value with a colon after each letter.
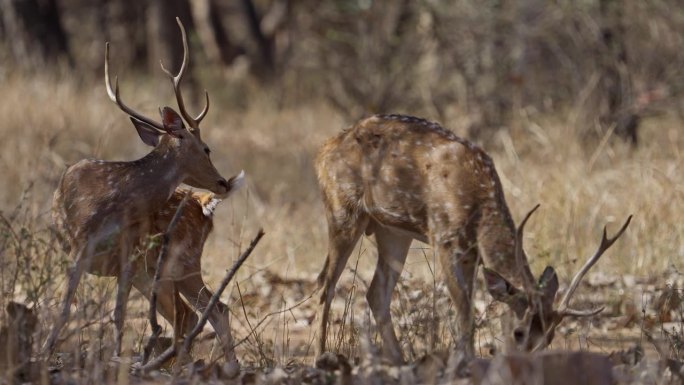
x: 163, y: 250
x: 171, y: 351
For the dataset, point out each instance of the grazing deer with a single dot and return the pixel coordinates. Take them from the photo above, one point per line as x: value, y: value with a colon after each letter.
x: 104, y: 205
x: 403, y: 178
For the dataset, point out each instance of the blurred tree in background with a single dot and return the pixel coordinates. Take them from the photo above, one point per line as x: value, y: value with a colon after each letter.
x: 604, y: 63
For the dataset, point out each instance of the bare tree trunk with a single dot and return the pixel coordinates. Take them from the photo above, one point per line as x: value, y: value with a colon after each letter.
x: 126, y: 26
x: 212, y: 33
x: 491, y: 92
x: 264, y: 45
x: 264, y: 39
x: 163, y: 34
x: 228, y: 49
x: 616, y: 81
x: 34, y: 32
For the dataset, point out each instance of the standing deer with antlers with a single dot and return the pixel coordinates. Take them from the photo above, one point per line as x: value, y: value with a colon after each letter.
x: 106, y: 206
x: 403, y: 178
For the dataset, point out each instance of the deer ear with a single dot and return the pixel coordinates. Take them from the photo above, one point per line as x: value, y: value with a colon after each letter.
x: 172, y: 121
x: 148, y: 134
x: 548, y: 284
x: 504, y: 291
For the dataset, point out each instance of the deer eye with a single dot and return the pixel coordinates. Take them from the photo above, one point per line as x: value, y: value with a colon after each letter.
x: 207, y: 151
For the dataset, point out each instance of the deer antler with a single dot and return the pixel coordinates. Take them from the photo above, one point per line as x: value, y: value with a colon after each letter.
x: 176, y: 81
x: 563, y: 309
x: 116, y: 98
x: 520, y: 259
x: 606, y: 243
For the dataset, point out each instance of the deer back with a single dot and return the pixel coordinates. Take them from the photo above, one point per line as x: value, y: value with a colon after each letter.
x: 412, y: 174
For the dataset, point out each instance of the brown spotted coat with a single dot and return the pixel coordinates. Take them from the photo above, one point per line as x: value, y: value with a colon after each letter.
x: 403, y: 178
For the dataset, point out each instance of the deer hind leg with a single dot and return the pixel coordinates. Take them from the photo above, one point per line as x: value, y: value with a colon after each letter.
x: 169, y: 303
x: 81, y: 257
x: 392, y: 251
x: 198, y: 295
x: 181, y: 313
x: 458, y: 257
x: 342, y: 238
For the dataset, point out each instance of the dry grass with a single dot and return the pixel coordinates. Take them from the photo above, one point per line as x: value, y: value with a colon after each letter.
x: 49, y: 122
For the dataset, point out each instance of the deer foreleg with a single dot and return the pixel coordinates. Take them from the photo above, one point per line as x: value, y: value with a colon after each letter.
x: 198, y: 295
x: 80, y: 256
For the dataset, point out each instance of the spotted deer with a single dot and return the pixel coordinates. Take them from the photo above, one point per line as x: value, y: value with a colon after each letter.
x: 104, y: 205
x: 182, y: 269
x: 402, y: 178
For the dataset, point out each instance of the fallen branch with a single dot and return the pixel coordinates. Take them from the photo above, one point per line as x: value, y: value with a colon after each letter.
x: 163, y: 250
x: 171, y: 351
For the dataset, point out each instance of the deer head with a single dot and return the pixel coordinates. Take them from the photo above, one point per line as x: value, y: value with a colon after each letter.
x: 536, y: 319
x: 171, y: 137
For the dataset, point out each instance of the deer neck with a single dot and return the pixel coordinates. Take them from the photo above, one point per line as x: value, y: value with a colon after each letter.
x: 497, y: 243
x: 159, y: 174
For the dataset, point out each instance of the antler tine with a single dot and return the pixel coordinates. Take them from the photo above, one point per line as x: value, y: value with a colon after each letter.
x: 202, y: 114
x: 582, y: 313
x: 176, y: 81
x: 557, y: 320
x: 606, y: 243
x: 116, y: 98
x: 520, y: 258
